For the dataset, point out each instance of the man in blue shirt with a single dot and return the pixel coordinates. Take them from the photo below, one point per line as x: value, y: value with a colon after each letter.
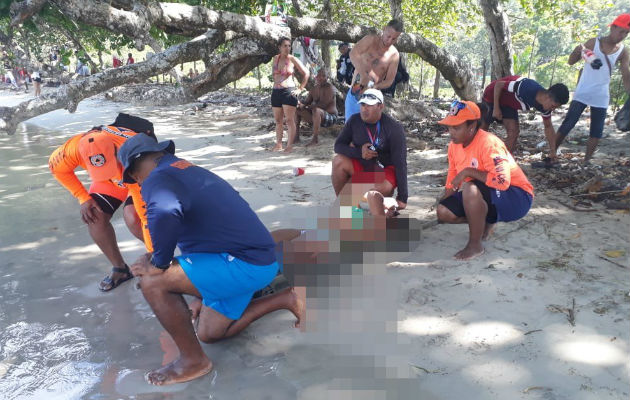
x: 227, y: 255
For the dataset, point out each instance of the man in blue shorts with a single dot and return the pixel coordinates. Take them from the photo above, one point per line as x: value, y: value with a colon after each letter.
x: 227, y: 255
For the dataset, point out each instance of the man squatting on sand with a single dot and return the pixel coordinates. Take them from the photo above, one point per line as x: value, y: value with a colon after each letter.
x: 484, y: 184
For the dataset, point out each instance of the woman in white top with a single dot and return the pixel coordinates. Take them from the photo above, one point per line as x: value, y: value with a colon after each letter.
x: 593, y: 86
x: 37, y: 83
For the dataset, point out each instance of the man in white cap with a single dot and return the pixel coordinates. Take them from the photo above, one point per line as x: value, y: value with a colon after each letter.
x: 371, y: 155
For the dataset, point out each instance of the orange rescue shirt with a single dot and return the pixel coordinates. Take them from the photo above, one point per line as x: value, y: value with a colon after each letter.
x: 487, y: 153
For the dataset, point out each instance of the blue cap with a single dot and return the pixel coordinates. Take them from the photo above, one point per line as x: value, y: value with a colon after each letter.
x: 138, y: 145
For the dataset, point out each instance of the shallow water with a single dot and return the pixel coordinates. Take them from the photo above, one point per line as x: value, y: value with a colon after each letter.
x: 60, y: 338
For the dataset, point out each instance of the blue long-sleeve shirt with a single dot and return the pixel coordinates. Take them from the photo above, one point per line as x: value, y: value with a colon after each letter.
x: 194, y: 209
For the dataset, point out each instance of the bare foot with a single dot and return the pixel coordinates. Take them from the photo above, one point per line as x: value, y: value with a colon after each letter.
x: 178, y: 371
x: 296, y: 305
x: 277, y: 147
x: 288, y: 149
x: 313, y: 142
x: 469, y: 252
x: 488, y: 231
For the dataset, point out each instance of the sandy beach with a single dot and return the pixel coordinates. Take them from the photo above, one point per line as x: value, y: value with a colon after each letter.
x: 543, y: 314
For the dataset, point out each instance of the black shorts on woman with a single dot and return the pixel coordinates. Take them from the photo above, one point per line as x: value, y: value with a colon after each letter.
x: 283, y: 97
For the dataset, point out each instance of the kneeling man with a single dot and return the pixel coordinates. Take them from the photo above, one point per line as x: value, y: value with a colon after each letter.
x: 227, y: 255
x: 372, y: 150
x: 484, y: 184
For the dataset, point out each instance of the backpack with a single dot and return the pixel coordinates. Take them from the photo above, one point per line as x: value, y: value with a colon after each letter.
x: 622, y: 119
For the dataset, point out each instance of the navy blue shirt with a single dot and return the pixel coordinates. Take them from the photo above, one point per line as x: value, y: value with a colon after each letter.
x: 518, y: 93
x: 197, y: 211
x: 391, y: 148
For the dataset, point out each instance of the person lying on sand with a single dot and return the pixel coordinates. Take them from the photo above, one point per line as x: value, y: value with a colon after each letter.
x: 484, y: 184
x: 227, y: 255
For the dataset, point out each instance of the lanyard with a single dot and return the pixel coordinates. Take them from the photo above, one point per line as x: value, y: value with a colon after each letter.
x: 374, y: 139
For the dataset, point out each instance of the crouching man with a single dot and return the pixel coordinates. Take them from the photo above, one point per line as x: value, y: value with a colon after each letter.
x: 227, y: 255
x: 484, y: 184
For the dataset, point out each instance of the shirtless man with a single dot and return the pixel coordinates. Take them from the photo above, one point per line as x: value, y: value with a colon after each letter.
x: 375, y: 61
x: 319, y: 108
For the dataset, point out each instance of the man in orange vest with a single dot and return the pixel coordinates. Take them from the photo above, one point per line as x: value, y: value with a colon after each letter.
x: 96, y: 151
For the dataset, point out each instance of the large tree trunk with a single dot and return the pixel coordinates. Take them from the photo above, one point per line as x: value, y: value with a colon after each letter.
x: 135, y: 18
x: 501, y: 52
x: 436, y: 85
x: 325, y: 44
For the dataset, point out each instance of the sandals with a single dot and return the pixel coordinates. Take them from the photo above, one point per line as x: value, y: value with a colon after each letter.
x: 108, y: 283
x: 546, y: 163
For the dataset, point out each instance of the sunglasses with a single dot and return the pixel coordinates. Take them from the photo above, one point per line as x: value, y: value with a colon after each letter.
x: 456, y: 106
x: 371, y: 97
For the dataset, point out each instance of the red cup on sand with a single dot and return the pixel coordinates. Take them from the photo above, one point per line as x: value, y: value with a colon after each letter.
x: 298, y: 171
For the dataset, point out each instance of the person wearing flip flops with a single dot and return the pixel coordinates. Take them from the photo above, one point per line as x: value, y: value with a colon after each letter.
x: 484, y: 185
x: 227, y: 254
x: 593, y: 89
x: 95, y: 151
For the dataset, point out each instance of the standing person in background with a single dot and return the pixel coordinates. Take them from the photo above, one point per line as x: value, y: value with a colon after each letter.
x: 593, y: 89
x: 284, y: 94
x: 345, y: 69
x: 37, y: 83
x: 130, y: 59
x: 375, y: 61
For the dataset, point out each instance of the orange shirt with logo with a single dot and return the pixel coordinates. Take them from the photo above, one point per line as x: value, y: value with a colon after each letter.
x: 65, y: 159
x: 487, y: 153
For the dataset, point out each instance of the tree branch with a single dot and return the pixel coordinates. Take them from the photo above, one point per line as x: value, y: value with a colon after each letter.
x: 68, y: 96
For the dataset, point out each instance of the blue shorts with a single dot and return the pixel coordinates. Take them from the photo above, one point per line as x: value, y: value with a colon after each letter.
x: 503, y: 205
x: 352, y: 105
x: 226, y: 283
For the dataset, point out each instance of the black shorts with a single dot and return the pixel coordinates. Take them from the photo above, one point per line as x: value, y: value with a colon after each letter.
x: 128, y: 202
x: 455, y: 204
x: 283, y: 97
x: 107, y: 203
x: 38, y: 80
x: 508, y: 113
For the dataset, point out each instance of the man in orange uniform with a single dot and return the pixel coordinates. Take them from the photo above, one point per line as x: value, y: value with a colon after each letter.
x: 96, y: 151
x: 484, y: 184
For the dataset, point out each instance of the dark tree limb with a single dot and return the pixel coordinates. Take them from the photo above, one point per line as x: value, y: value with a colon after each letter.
x: 68, y: 96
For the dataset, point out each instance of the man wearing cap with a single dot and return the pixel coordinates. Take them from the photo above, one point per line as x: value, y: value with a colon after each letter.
x: 95, y: 151
x: 320, y: 106
x: 227, y: 254
x: 593, y: 88
x: 375, y: 61
x: 505, y: 97
x: 484, y: 184
x: 372, y: 150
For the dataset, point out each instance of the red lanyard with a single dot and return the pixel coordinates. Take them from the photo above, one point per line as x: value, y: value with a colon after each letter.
x: 374, y: 139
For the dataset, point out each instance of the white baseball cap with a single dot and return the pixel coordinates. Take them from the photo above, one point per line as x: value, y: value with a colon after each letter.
x: 371, y: 97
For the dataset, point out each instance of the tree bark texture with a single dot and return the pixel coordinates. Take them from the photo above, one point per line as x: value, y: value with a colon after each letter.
x: 501, y: 52
x: 259, y: 42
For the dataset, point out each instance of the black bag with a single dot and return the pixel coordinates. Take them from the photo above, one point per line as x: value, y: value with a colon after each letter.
x: 622, y: 119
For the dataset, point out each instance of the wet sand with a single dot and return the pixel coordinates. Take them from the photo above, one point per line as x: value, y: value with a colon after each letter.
x: 424, y: 326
